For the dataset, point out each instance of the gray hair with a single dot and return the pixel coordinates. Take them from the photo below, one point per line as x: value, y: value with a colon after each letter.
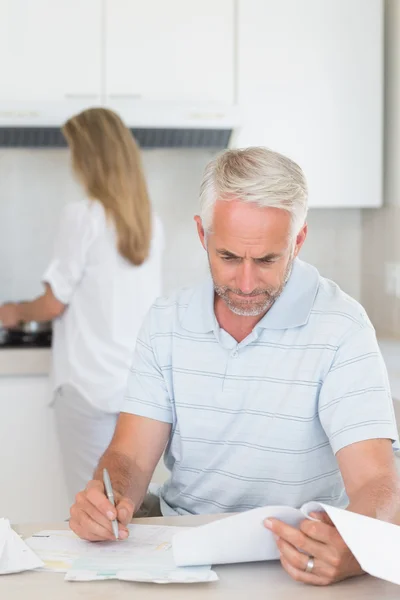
x: 255, y: 175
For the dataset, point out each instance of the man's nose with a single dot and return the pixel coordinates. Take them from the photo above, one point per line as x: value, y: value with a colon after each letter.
x: 246, y: 280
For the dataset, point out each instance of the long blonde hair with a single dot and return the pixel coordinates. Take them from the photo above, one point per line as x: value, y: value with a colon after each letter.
x: 106, y: 160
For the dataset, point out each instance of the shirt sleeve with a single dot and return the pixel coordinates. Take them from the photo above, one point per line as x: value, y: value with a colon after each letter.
x: 355, y: 402
x: 74, y: 236
x: 147, y: 393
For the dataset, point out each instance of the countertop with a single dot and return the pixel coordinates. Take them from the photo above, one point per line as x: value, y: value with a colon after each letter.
x: 255, y: 581
x: 25, y: 361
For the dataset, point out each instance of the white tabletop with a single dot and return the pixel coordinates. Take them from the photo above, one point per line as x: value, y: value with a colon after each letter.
x: 253, y: 581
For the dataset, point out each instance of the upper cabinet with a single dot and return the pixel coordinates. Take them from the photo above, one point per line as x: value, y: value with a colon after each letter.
x: 50, y: 51
x: 306, y: 75
x: 180, y: 50
x: 310, y: 85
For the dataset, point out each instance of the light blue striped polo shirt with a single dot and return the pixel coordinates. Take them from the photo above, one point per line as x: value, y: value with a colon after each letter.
x: 259, y: 422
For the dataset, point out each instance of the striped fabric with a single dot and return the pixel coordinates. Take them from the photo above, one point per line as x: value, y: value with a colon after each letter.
x: 259, y: 422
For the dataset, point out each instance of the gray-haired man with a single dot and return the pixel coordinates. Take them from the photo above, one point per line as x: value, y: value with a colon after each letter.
x: 265, y: 384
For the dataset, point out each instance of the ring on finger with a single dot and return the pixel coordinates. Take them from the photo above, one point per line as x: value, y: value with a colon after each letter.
x: 310, y: 565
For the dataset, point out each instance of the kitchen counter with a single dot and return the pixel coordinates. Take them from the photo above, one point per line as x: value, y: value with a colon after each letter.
x: 25, y: 361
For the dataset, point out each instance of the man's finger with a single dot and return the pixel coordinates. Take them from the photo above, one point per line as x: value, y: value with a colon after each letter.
x: 303, y: 576
x: 93, y: 512
x: 320, y: 531
x: 320, y: 552
x: 88, y: 528
x: 322, y: 516
x: 125, y: 510
x: 294, y: 536
x: 96, y: 496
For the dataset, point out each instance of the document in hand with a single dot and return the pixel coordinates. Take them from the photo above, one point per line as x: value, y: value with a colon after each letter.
x: 15, y: 556
x: 243, y: 538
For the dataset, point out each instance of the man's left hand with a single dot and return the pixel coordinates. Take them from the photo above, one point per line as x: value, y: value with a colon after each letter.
x: 9, y: 315
x: 319, y: 540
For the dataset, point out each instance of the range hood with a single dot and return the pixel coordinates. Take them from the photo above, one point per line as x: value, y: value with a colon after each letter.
x: 154, y: 124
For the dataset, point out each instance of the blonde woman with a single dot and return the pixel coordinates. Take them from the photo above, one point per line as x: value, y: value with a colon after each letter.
x: 104, y: 275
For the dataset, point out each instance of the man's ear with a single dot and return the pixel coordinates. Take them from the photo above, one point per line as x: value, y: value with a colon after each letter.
x: 201, y: 232
x: 300, y: 239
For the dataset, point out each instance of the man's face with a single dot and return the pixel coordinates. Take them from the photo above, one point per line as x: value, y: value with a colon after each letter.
x: 250, y: 252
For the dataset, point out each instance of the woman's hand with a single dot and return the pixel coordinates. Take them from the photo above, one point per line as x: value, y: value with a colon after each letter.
x: 9, y: 316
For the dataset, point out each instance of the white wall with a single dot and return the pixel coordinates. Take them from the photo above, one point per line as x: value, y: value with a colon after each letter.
x: 35, y: 184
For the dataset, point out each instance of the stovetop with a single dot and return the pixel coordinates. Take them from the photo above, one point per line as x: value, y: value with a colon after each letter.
x: 17, y: 339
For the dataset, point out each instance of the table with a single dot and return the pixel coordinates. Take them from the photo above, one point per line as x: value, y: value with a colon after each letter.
x: 252, y: 581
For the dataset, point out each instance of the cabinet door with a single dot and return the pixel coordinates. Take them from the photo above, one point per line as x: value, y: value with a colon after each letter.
x: 50, y: 51
x: 310, y: 86
x: 178, y: 50
x: 32, y: 475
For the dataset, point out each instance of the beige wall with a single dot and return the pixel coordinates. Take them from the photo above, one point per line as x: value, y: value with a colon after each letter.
x: 381, y: 228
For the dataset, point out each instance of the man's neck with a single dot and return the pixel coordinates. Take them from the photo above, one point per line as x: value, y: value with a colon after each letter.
x: 237, y: 326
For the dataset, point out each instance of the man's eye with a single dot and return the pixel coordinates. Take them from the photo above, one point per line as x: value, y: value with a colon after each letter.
x: 229, y: 258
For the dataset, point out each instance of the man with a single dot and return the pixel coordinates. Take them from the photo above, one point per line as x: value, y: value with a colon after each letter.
x: 265, y: 385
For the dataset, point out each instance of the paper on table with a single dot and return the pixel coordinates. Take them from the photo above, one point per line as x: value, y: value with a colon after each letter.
x: 239, y: 538
x: 57, y: 549
x: 145, y: 556
x: 15, y: 556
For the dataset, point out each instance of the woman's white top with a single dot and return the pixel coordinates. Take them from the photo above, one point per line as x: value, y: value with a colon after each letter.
x: 107, y: 298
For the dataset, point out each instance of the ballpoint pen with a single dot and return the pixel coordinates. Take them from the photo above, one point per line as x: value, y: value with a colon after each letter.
x: 110, y: 496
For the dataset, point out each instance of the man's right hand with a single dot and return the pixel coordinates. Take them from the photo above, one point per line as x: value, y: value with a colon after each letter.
x: 92, y: 513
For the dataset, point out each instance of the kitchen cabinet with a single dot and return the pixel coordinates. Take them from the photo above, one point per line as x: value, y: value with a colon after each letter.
x: 169, y: 51
x: 50, y: 52
x: 32, y: 479
x: 310, y: 85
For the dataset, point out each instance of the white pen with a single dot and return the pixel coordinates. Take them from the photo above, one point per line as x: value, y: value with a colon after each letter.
x: 110, y: 496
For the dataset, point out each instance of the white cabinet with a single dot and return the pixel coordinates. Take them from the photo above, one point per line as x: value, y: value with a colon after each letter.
x: 32, y: 477
x: 50, y: 51
x: 179, y: 50
x: 310, y: 86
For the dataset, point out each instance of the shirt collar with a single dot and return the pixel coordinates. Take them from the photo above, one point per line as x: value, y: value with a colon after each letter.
x: 291, y: 309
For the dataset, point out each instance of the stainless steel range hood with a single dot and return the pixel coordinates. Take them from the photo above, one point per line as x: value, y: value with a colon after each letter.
x: 154, y: 125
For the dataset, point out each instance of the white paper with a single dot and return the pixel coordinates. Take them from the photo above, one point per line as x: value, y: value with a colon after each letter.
x: 57, y: 549
x: 145, y: 556
x: 15, y: 555
x: 374, y: 543
x: 239, y: 538
x: 243, y: 538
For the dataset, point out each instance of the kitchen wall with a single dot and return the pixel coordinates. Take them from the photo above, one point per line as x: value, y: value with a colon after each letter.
x: 35, y: 184
x: 381, y: 228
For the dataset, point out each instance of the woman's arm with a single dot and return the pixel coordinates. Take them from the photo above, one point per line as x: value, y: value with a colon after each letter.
x: 43, y: 308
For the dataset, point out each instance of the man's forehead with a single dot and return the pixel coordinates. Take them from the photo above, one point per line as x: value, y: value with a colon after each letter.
x: 243, y: 215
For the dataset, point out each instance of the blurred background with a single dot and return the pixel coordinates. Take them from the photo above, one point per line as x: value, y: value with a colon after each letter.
x: 318, y: 80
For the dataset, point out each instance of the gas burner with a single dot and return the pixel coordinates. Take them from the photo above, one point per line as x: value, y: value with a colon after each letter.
x: 19, y: 339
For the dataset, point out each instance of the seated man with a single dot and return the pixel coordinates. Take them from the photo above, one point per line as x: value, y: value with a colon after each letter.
x: 264, y: 385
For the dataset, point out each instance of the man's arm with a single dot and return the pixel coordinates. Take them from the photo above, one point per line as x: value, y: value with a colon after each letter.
x: 43, y: 308
x: 356, y: 412
x: 131, y: 458
x: 133, y: 455
x: 370, y: 477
